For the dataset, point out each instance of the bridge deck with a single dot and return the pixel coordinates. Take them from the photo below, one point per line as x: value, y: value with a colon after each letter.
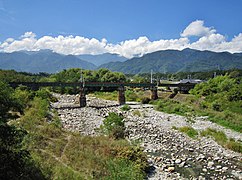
x: 94, y: 84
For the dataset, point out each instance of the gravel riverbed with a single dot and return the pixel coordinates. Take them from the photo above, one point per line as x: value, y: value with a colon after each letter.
x: 172, y: 154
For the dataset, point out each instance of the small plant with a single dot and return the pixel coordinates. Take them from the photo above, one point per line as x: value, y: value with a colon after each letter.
x: 174, y: 128
x: 190, y: 118
x: 216, y: 106
x: 234, y: 146
x: 189, y: 131
x: 113, y: 126
x: 125, y: 107
x: 137, y: 113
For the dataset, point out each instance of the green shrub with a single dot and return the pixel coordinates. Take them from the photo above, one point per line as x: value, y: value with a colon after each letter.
x: 131, y: 96
x: 125, y: 107
x: 113, y: 126
x: 134, y: 154
x: 216, y: 106
x: 171, y: 106
x: 145, y: 100
x: 137, y: 113
x: 189, y: 131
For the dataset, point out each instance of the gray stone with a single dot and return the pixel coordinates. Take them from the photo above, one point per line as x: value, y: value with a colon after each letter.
x: 210, y: 164
x: 178, y: 161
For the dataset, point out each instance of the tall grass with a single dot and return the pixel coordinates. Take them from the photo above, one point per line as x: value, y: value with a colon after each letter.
x: 66, y: 155
x: 222, y: 139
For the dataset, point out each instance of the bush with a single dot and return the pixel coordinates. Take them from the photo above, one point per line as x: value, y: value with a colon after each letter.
x: 136, y: 113
x: 145, y: 100
x: 131, y: 95
x: 125, y: 107
x: 134, y: 154
x: 216, y: 106
x: 113, y: 126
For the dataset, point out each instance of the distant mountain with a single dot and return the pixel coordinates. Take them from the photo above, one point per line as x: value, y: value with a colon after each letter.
x: 187, y: 60
x: 238, y: 54
x: 41, y: 61
x: 102, y: 58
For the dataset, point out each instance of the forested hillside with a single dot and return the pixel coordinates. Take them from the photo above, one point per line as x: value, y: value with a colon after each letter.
x: 172, y: 61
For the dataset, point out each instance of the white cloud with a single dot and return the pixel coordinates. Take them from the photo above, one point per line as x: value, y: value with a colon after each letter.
x: 28, y: 35
x: 208, y: 40
x: 197, y: 28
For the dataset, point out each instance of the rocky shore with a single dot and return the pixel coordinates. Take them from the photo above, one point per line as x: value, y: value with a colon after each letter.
x: 172, y: 154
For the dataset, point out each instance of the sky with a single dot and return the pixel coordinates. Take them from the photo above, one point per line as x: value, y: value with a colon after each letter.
x: 125, y: 27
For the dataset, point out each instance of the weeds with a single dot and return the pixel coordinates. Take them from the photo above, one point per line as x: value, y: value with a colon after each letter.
x: 113, y: 126
x: 222, y: 139
x: 125, y: 107
x: 137, y: 113
x: 189, y: 131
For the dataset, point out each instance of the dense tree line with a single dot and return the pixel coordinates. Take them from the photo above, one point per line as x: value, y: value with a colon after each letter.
x: 15, y: 160
x: 222, y: 94
x: 145, y: 77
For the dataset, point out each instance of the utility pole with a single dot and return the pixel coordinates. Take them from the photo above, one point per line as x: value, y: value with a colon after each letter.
x: 151, y: 76
x: 82, y: 79
x: 157, y: 80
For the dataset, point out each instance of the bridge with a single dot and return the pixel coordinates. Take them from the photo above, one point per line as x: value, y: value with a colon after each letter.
x: 85, y: 87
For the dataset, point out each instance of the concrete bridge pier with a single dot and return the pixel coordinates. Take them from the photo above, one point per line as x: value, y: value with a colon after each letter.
x: 82, y: 99
x: 154, y: 93
x: 121, y: 95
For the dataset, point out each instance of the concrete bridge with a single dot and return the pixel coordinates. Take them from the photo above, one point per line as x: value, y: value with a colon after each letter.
x: 103, y: 86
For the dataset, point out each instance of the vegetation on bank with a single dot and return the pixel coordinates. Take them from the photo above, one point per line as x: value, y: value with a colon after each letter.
x: 36, y: 147
x: 222, y: 139
x: 219, y: 98
x: 218, y: 136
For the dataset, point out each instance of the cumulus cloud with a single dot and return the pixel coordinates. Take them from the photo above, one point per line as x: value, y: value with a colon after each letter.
x: 197, y: 28
x: 209, y: 39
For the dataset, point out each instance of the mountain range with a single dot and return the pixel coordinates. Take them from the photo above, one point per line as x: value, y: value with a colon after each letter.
x: 41, y: 61
x: 102, y: 58
x: 187, y: 60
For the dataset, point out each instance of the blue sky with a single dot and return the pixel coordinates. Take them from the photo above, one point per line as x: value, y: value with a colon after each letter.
x: 119, y: 21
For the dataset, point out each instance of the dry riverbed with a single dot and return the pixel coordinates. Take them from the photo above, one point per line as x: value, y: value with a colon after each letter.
x: 172, y: 154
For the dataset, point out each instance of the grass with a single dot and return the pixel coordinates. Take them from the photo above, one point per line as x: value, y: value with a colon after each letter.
x: 113, y: 96
x: 192, y: 133
x: 125, y: 107
x: 222, y: 139
x: 67, y: 155
x: 137, y: 113
x: 171, y: 107
x: 187, y: 104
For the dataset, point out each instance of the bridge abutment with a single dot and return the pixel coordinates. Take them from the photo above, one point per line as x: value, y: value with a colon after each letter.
x: 154, y: 93
x: 121, y: 95
x: 82, y: 99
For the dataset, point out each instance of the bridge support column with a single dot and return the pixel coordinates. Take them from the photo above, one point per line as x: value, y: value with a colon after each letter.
x: 154, y: 94
x: 82, y: 99
x: 121, y: 95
